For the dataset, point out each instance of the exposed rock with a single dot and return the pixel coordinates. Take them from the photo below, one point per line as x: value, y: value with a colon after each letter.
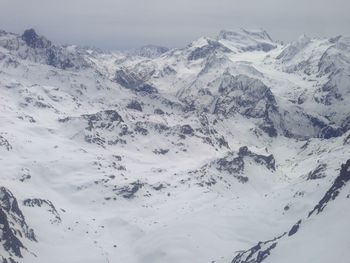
x: 146, y: 89
x: 161, y: 151
x: 268, y: 161
x: 101, y: 128
x: 129, y: 191
x: 262, y: 250
x: 103, y: 120
x: 140, y: 129
x: 207, y: 50
x: 159, y: 111
x: 294, y: 228
x: 33, y: 40
x: 187, y: 130
x: 134, y: 105
x: 318, y: 172
x: 248, y: 40
x: 14, y: 227
x: 245, y: 95
x: 150, y: 51
x: 127, y: 79
x: 32, y: 202
x: 258, y: 253
x: 334, y: 190
x: 5, y: 144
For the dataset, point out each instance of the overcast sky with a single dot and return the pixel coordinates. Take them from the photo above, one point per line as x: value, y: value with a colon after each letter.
x: 120, y: 24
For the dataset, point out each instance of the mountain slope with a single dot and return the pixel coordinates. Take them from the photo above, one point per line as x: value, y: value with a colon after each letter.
x: 186, y: 155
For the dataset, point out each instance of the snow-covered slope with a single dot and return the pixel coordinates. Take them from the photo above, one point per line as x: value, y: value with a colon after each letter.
x: 181, y: 155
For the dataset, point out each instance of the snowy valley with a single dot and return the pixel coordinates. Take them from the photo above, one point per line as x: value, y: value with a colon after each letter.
x: 231, y: 149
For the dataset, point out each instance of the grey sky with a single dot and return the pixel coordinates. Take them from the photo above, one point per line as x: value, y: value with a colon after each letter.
x: 119, y: 24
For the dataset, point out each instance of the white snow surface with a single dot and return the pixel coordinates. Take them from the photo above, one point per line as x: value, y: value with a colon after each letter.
x: 176, y: 215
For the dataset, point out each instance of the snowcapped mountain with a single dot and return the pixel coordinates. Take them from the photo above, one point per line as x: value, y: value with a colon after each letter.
x: 149, y: 51
x: 231, y: 149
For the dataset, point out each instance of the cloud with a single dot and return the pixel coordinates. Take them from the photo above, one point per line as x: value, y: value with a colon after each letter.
x: 119, y: 24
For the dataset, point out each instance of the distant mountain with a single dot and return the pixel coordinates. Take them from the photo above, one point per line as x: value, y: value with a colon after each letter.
x: 233, y: 148
x: 149, y: 51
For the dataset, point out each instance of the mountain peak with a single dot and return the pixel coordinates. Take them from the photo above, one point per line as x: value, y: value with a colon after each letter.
x: 257, y: 34
x: 247, y: 40
x: 149, y: 51
x: 32, y: 39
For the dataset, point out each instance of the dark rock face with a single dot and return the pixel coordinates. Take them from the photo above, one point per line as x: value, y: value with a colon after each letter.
x: 334, y: 190
x: 11, y: 243
x: 268, y: 127
x: 347, y: 139
x: 159, y: 111
x: 294, y: 228
x: 134, y: 105
x: 14, y: 227
x: 318, y: 172
x: 322, y: 129
x: 7, y: 260
x: 268, y: 161
x: 146, y: 89
x: 44, y: 51
x: 260, y: 41
x: 150, y: 51
x: 127, y: 79
x: 33, y: 40
x: 187, y: 130
x: 140, y: 129
x: 33, y: 202
x: 4, y: 143
x: 258, y: 253
x: 212, y: 136
x: 334, y: 64
x: 134, y: 80
x: 328, y: 131
x: 101, y: 128
x: 211, y: 48
x: 234, y: 164
x: 245, y: 95
x: 249, y: 97
x: 103, y: 120
x: 129, y: 191
x: 161, y: 151
x: 56, y: 59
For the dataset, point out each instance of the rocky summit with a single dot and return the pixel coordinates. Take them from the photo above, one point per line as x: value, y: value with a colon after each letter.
x: 235, y: 148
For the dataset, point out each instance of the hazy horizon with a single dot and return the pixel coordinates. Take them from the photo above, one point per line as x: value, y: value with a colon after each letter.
x: 119, y: 24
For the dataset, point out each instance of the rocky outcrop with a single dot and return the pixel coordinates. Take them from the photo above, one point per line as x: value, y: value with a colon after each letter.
x: 14, y: 228
x: 31, y: 46
x: 149, y: 51
x: 258, y: 253
x: 334, y: 190
x: 249, y: 97
x: 210, y: 48
x: 233, y: 164
x: 318, y: 172
x: 245, y: 95
x: 266, y: 160
x: 248, y: 40
x: 5, y: 144
x: 262, y: 250
x: 47, y: 204
x: 134, y: 105
x: 33, y: 40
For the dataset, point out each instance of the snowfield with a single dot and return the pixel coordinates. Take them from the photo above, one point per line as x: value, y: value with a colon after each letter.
x: 232, y: 149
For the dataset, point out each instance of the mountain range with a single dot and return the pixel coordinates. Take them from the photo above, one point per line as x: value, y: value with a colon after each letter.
x: 234, y: 149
